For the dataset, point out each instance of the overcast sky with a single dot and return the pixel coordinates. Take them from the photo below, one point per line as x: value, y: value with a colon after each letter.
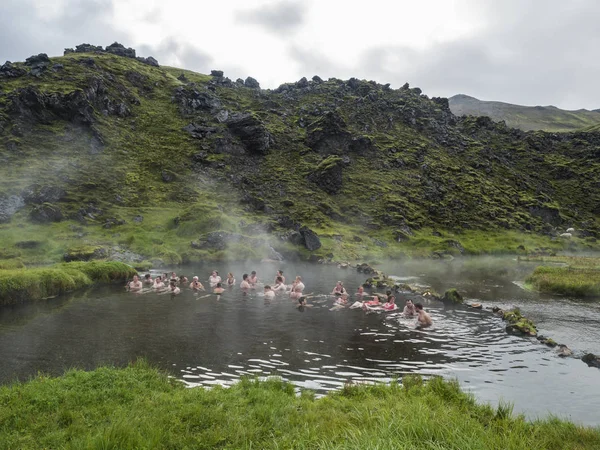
x: 532, y: 52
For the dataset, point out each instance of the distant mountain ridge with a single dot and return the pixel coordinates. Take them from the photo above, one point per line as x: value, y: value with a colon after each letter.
x: 526, y: 118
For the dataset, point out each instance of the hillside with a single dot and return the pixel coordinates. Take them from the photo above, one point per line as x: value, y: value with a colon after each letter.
x: 527, y: 118
x: 109, y: 155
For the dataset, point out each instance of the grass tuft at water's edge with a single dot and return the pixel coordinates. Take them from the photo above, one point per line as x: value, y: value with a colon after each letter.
x: 140, y: 407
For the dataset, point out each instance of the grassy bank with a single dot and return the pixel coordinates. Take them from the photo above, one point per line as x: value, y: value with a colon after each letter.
x: 577, y: 276
x: 566, y: 281
x: 138, y: 407
x: 19, y: 285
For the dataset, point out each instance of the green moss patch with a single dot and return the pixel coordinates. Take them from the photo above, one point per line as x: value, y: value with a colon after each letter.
x: 566, y: 281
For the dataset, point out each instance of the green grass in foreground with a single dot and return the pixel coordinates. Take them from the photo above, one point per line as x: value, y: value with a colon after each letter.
x: 18, y: 285
x: 139, y: 407
x: 566, y: 281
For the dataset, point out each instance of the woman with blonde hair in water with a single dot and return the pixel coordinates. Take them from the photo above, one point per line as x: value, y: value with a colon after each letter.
x: 339, y: 289
x: 230, y: 279
x: 298, y: 284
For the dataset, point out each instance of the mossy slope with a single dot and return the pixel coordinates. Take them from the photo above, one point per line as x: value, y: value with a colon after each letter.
x: 109, y: 151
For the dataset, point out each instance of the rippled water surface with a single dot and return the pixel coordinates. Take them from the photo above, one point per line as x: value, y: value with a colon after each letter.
x: 206, y: 340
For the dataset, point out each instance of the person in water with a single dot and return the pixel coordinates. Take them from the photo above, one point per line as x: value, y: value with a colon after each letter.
x: 214, y: 278
x: 253, y: 279
x: 269, y: 293
x: 298, y: 284
x: 173, y: 276
x: 390, y: 304
x: 339, y: 289
x: 148, y: 279
x: 218, y: 289
x: 230, y: 279
x: 158, y: 284
x: 173, y: 288
x: 245, y: 284
x: 342, y: 299
x: 374, y: 302
x: 279, y: 285
x: 361, y: 291
x: 135, y: 284
x: 196, y: 285
x: 409, y: 308
x: 279, y: 275
x: 423, y: 319
x: 296, y: 293
x: 183, y: 280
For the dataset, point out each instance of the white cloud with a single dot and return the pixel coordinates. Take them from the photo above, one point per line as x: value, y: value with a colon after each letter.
x: 534, y: 52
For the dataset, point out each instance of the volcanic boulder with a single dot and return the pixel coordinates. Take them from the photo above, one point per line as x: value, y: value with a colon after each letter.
x: 328, y: 174
x: 251, y: 131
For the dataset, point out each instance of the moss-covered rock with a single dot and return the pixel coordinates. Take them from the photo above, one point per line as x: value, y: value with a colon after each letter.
x: 452, y: 296
x: 519, y: 324
x: 85, y: 253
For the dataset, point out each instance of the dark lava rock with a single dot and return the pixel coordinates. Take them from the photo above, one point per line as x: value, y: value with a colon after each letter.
x: 257, y: 204
x: 199, y: 131
x: 365, y: 268
x: 287, y: 222
x: 168, y: 176
x: 46, y: 213
x: 251, y: 132
x: 8, y: 70
x: 182, y: 78
x: 58, y: 67
x: 120, y: 50
x: 35, y: 60
x: 191, y: 100
x: 295, y: 238
x: 31, y: 105
x: 328, y: 175
x: 38, y: 63
x: 311, y: 240
x: 317, y: 79
x: 329, y: 135
x: 151, y: 61
x: 219, y: 240
x: 251, y: 83
x: 138, y: 219
x: 227, y: 146
x: 87, y: 48
x: 90, y: 211
x: 113, y: 222
x: 591, y: 360
x: 216, y: 73
x: 90, y: 62
x: 455, y: 244
x: 9, y: 205
x: 39, y: 194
